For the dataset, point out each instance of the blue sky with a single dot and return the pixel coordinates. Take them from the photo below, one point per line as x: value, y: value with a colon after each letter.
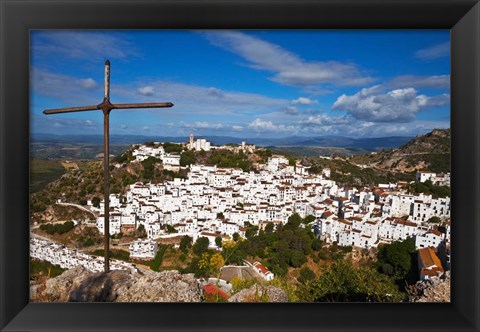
x: 245, y: 83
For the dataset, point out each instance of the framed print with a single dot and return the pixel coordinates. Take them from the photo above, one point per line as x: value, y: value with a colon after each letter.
x: 275, y: 162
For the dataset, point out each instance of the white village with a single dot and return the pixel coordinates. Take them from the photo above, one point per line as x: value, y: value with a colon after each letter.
x: 216, y: 202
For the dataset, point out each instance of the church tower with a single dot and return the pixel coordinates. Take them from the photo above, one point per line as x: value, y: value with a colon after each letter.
x: 191, y: 141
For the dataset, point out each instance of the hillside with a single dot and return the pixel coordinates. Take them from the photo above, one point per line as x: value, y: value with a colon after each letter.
x: 86, y: 183
x: 425, y: 152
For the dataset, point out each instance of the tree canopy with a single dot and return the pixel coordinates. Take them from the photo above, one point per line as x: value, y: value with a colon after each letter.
x: 342, y: 282
x: 201, y: 245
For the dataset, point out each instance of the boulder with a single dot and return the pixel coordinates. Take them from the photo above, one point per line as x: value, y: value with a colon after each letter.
x: 166, y: 286
x: 436, y: 289
x: 259, y: 293
x: 81, y: 285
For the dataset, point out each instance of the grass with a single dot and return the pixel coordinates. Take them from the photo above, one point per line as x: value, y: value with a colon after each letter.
x: 43, y: 171
x: 44, y: 268
x: 157, y: 261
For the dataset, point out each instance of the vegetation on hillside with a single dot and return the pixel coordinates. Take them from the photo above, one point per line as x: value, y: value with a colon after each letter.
x: 57, y: 228
x: 44, y: 171
x: 431, y: 152
x: 39, y: 268
x: 428, y: 188
x: 343, y: 282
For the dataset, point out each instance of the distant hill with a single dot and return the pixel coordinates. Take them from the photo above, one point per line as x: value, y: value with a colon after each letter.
x: 425, y: 152
x: 353, y: 144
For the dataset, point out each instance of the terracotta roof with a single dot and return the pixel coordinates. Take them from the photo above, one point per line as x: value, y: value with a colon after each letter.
x: 344, y: 221
x: 429, y: 259
x: 261, y: 267
x: 210, y: 289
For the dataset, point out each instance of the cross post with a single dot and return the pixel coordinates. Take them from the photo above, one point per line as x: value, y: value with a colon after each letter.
x: 106, y: 107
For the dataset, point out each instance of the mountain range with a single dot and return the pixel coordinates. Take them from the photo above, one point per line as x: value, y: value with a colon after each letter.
x: 370, y: 144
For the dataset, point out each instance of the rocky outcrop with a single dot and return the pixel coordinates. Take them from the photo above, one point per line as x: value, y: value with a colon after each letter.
x: 166, y: 286
x: 437, y: 289
x: 258, y: 293
x: 81, y: 285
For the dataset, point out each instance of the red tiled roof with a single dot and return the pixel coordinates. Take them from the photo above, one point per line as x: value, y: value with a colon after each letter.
x: 262, y: 268
x: 210, y: 289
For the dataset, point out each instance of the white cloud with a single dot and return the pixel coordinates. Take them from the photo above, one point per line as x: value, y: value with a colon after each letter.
x: 88, y: 83
x: 292, y: 110
x: 67, y: 123
x: 324, y: 124
x: 85, y: 45
x: 67, y: 89
x: 303, y: 101
x: 146, y: 90
x: 259, y: 125
x: 214, y: 92
x: 288, y: 68
x: 188, y: 99
x: 435, y: 81
x: 204, y: 125
x: 323, y: 120
x: 400, y: 105
x: 200, y: 100
x: 89, y: 123
x: 216, y: 126
x: 434, y: 52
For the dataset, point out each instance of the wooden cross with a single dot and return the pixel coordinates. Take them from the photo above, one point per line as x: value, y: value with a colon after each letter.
x: 106, y: 107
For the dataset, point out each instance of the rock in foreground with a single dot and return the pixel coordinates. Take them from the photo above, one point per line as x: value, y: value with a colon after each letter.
x: 437, y: 289
x: 81, y: 285
x: 258, y: 293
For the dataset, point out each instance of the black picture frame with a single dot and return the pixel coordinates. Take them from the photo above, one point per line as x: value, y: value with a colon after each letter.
x: 17, y: 17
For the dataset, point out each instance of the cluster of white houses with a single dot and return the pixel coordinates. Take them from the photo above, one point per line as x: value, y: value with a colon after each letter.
x: 67, y: 258
x: 169, y: 161
x: 439, y: 179
x: 215, y: 201
x: 143, y: 249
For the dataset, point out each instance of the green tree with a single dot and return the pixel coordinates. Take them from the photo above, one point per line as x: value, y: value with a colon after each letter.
x: 306, y: 275
x: 90, y: 188
x: 218, y: 241
x: 293, y: 221
x: 395, y: 259
x: 96, y: 201
x: 187, y: 158
x: 141, y: 232
x: 185, y: 243
x: 201, y: 245
x: 308, y: 219
x: 171, y: 229
x: 235, y: 236
x: 269, y: 228
x: 435, y: 220
x: 172, y: 147
x: 316, y: 244
x: 251, y: 232
x: 297, y: 258
x: 342, y: 282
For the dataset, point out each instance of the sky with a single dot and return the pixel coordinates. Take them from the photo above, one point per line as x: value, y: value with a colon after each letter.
x: 244, y: 83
